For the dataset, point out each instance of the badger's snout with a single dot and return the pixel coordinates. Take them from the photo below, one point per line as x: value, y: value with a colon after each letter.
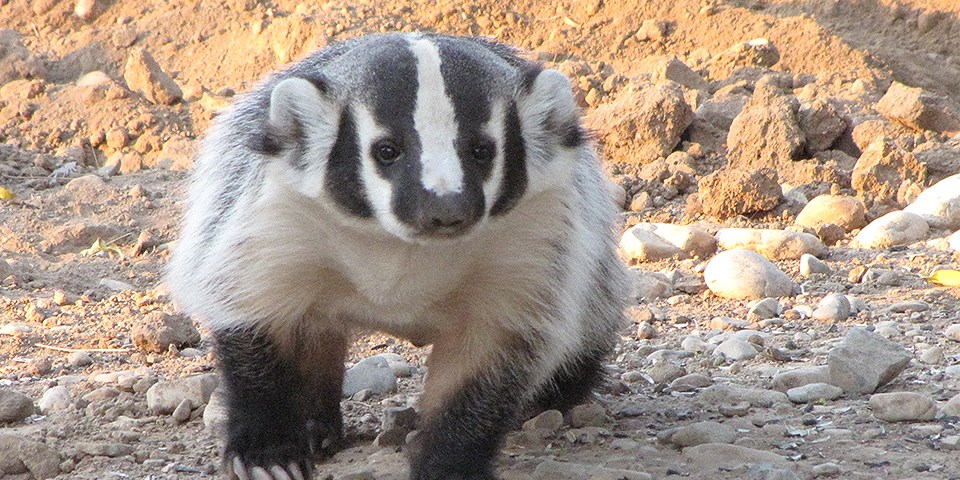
x: 448, y: 215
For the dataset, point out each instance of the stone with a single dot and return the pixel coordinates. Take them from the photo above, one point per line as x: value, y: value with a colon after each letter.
x: 642, y: 245
x: 158, y: 331
x: 670, y: 68
x: 215, y: 413
x: 892, y: 229
x: 952, y: 407
x: 694, y: 344
x: 832, y: 308
x: 772, y: 244
x: 847, y: 212
x: 703, y: 432
x: 14, y: 406
x: 164, y: 397
x: 942, y: 159
x: 181, y: 414
x: 881, y: 171
x: 692, y: 240
x: 814, y: 392
x: 54, y: 399
x: 918, y: 109
x: 810, y: 265
x: 932, y: 356
x: 746, y: 274
x: 16, y: 61
x: 85, y: 9
x: 952, y: 332
x: 798, y: 377
x: 377, y: 377
x: 712, y: 456
x: 144, y: 74
x: 734, y: 349
x: 102, y: 394
x: 910, y: 306
x: 643, y: 123
x: 400, y: 367
x: 587, y: 415
x: 939, y: 205
x: 549, y: 420
x: 665, y: 372
x: 721, y: 109
x: 396, y: 424
x: 903, y: 407
x: 821, y: 124
x: 554, y: 470
x: 864, y: 361
x: 766, y: 133
x: 690, y: 383
x: 79, y: 359
x: 732, y: 191
x: 41, y: 460
x: 759, y: 52
x: 725, y: 394
x: 826, y: 470
x: 763, y: 309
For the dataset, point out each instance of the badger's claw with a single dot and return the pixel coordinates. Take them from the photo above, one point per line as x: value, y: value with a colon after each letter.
x: 236, y: 469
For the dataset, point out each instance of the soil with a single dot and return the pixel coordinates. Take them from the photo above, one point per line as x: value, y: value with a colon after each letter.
x: 59, y: 133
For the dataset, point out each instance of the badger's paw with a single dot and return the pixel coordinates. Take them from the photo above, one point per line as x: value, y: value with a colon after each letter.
x: 237, y: 469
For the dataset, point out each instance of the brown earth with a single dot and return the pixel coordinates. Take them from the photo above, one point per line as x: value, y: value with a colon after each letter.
x: 59, y: 132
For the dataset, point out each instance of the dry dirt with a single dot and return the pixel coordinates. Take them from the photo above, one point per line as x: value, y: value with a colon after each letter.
x: 57, y: 131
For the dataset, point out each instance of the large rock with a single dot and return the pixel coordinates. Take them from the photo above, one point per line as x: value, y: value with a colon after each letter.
x: 941, y: 159
x: 725, y: 394
x: 643, y: 245
x: 712, y: 456
x: 554, y: 470
x: 918, y: 109
x: 847, y: 212
x: 731, y: 191
x: 832, y: 308
x: 814, y: 392
x: 691, y: 240
x: 703, y: 432
x: 821, y: 124
x: 864, y: 361
x: 903, y: 407
x: 21, y: 456
x: 164, y: 397
x: 143, y: 73
x: 373, y: 374
x: 720, y: 110
x: 748, y: 275
x: 881, y: 171
x: 772, y: 244
x: 766, y: 133
x: 158, y: 331
x: 643, y: 124
x: 939, y: 205
x: 14, y: 406
x: 894, y: 228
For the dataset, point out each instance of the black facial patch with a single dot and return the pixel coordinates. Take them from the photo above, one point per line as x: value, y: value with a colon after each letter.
x: 343, y: 169
x: 515, y: 165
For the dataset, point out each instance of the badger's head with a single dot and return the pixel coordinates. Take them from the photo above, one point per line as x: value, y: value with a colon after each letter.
x: 426, y: 136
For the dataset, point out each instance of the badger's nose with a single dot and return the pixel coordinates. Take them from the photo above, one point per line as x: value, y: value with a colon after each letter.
x: 446, y: 215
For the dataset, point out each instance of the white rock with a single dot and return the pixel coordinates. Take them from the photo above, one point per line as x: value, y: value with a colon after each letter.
x: 773, y: 244
x: 952, y: 332
x: 799, y: 377
x: 645, y: 246
x: 703, y: 432
x: 116, y: 285
x: 85, y: 9
x: 14, y: 329
x: 939, y: 205
x: 709, y: 457
x: 864, y: 361
x: 833, y: 308
x: 215, y: 413
x: 376, y: 376
x: 952, y: 407
x: 764, y: 309
x: 932, y: 356
x: 164, y: 397
x: 54, y: 399
x: 401, y: 368
x: 648, y: 286
x: 810, y: 265
x: 746, y: 274
x: 857, y: 304
x: 695, y: 344
x: 814, y: 392
x: 847, y: 212
x: 894, y: 228
x: 953, y: 241
x: 902, y: 407
x: 734, y: 349
x: 692, y: 240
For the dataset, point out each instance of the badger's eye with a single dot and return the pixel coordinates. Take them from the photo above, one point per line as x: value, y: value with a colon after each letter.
x: 387, y: 152
x: 482, y: 152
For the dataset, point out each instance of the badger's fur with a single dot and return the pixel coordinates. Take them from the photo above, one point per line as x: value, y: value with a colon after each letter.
x: 436, y: 188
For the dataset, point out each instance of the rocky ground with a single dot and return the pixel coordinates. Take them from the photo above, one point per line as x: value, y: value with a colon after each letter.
x: 788, y: 173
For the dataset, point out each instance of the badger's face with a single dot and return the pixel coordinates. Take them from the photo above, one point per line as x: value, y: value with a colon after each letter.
x: 428, y: 136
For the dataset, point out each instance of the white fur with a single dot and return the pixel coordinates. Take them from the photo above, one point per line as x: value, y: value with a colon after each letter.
x: 436, y: 123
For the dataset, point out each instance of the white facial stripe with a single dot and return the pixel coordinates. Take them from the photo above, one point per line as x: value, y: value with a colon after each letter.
x: 379, y: 191
x: 436, y: 123
x: 495, y: 129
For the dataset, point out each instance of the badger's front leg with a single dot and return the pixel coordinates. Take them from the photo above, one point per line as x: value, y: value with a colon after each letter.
x: 475, y: 391
x: 282, y: 403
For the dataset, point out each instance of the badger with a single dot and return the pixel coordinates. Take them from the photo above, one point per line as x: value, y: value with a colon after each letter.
x: 436, y: 188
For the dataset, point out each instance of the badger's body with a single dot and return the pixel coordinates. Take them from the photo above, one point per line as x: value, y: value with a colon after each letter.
x: 432, y: 187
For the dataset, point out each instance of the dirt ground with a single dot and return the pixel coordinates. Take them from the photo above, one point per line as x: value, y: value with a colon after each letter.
x: 86, y: 158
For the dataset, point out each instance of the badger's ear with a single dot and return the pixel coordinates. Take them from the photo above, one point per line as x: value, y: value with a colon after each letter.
x: 299, y: 109
x: 548, y: 104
